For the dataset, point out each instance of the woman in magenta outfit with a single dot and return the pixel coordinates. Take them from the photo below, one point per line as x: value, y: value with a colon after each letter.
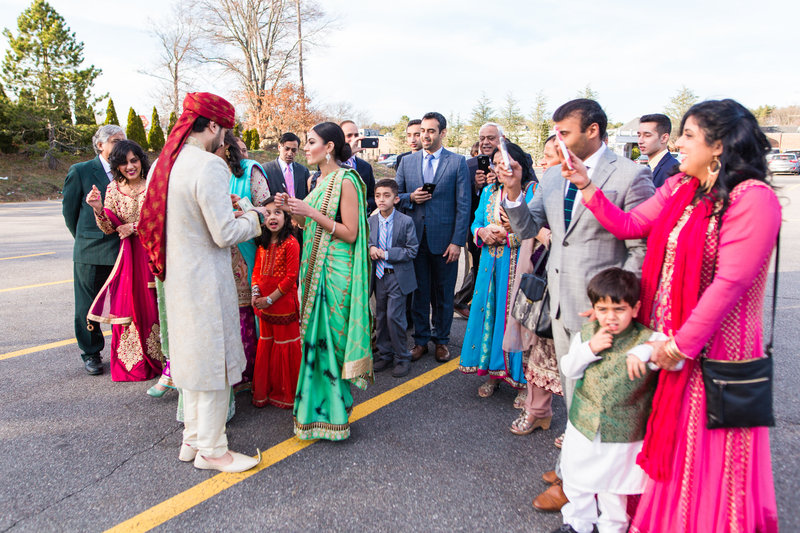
x: 127, y: 301
x: 711, y: 230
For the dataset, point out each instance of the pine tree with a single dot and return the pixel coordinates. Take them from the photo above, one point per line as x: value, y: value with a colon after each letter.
x: 511, y: 118
x: 246, y: 137
x: 481, y: 114
x: 173, y: 118
x: 155, y: 138
x: 111, y: 113
x: 237, y: 129
x: 135, y: 129
x: 255, y: 140
x: 44, y: 59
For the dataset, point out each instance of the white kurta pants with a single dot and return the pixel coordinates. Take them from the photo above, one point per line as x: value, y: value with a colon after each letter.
x: 581, y: 511
x: 204, y: 416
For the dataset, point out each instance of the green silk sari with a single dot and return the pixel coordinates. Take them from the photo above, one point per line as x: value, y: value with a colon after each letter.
x: 334, y: 317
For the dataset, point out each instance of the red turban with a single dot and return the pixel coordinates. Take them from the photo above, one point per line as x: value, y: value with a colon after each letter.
x: 152, y: 225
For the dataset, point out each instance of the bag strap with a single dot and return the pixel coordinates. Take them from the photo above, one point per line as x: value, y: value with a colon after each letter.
x: 542, y: 259
x: 768, y: 349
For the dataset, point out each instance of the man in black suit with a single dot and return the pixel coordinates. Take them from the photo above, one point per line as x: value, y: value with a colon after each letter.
x: 654, y: 132
x: 413, y: 132
x: 94, y: 252
x: 364, y: 169
x: 283, y: 174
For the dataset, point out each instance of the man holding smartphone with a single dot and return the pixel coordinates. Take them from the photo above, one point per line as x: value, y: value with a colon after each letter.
x: 489, y: 136
x: 435, y: 192
x: 364, y: 169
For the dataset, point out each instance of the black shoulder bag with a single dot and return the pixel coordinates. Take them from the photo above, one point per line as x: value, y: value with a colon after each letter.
x: 739, y: 393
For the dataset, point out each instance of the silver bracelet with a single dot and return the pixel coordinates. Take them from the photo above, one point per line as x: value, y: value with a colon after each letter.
x: 333, y: 229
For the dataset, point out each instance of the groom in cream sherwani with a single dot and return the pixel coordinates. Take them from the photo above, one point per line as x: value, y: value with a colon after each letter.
x: 188, y: 206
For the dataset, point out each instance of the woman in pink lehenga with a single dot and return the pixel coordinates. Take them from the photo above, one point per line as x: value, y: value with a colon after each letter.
x: 711, y: 230
x: 127, y: 301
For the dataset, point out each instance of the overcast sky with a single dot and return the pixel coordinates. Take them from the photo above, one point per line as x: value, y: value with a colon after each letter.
x: 390, y: 58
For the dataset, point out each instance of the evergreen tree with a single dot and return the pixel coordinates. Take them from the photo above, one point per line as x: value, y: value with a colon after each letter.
x: 155, y: 138
x: 588, y: 92
x: 540, y: 126
x: 481, y: 114
x: 44, y: 59
x: 255, y: 140
x: 173, y: 118
x: 246, y: 137
x: 237, y: 129
x: 679, y: 105
x: 111, y: 113
x: 512, y: 119
x: 135, y: 129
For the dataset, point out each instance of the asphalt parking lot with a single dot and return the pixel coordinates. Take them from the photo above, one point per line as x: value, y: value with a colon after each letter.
x: 82, y: 453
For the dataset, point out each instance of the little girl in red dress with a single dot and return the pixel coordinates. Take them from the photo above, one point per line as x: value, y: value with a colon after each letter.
x: 277, y: 309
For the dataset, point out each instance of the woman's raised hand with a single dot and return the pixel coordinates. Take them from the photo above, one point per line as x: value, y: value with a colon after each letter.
x: 298, y: 207
x: 281, y: 201
x: 95, y: 200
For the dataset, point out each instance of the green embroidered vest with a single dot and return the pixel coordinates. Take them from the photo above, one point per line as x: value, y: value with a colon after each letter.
x: 605, y: 399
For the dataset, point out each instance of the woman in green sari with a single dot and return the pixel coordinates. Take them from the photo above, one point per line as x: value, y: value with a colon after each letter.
x: 334, y: 281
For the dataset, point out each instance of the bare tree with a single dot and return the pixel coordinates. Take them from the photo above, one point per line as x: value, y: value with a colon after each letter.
x: 259, y: 41
x: 179, y: 35
x: 300, y: 49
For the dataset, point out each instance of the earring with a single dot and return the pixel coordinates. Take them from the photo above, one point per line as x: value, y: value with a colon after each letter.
x: 713, y: 173
x: 328, y: 158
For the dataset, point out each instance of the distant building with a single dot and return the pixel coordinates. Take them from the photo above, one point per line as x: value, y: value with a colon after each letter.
x: 783, y: 138
x: 622, y: 140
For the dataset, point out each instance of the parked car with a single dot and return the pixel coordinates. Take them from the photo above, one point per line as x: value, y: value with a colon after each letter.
x: 783, y: 163
x: 384, y: 156
x: 642, y: 159
x: 677, y: 155
x: 390, y: 161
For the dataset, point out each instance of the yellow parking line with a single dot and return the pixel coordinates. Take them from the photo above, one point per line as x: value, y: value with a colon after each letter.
x: 24, y: 256
x: 37, y: 285
x: 43, y: 347
x: 169, y: 509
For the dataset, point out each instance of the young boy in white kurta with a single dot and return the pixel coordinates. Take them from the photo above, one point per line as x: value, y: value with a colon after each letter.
x: 610, y: 407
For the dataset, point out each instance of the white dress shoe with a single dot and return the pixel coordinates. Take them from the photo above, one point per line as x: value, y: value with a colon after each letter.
x: 240, y: 463
x: 187, y: 453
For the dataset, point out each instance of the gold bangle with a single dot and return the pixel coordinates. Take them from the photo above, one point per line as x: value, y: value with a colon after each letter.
x: 672, y: 350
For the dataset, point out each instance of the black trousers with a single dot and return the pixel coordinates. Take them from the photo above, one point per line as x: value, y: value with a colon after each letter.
x: 88, y: 280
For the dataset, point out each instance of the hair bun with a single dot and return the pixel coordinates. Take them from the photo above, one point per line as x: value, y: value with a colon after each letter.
x: 345, y: 153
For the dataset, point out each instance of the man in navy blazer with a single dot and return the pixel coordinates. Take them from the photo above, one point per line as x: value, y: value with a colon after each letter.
x: 442, y: 223
x: 284, y: 174
x: 654, y: 132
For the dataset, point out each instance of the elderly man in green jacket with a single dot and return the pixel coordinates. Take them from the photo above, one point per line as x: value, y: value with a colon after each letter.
x: 94, y: 252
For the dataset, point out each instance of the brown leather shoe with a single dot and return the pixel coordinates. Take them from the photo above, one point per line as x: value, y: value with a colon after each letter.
x: 442, y: 353
x: 418, y: 351
x: 551, y: 500
x: 463, y: 312
x: 550, y: 477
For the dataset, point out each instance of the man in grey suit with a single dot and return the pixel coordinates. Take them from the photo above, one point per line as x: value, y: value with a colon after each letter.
x: 434, y: 191
x: 393, y: 246
x: 580, y: 246
x: 94, y: 252
x: 283, y: 174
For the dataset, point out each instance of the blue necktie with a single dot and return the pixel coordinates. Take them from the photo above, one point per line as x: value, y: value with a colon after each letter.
x: 383, y: 244
x: 427, y: 169
x: 569, y: 201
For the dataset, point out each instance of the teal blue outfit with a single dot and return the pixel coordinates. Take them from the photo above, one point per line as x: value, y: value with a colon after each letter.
x: 482, y: 352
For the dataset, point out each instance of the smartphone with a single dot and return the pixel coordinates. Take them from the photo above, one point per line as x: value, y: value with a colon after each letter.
x: 428, y: 187
x: 564, y: 151
x: 369, y: 142
x: 245, y: 204
x: 484, y: 163
x: 504, y: 151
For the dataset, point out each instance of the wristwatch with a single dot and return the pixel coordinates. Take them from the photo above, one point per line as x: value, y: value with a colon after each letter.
x: 269, y: 300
